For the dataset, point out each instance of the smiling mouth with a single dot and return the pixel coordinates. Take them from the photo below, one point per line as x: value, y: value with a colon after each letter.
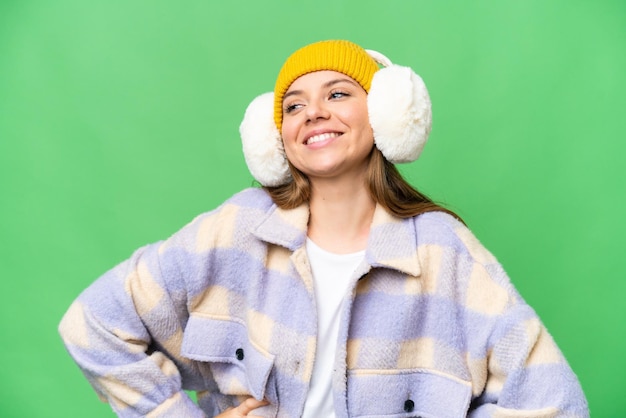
x: 321, y: 137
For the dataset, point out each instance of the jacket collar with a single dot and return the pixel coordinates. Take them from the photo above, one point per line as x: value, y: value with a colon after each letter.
x: 392, y: 242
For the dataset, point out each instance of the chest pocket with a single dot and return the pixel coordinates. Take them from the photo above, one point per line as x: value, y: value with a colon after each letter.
x: 236, y: 365
x: 414, y: 394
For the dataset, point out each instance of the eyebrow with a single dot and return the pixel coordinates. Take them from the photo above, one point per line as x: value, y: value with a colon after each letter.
x: 325, y: 85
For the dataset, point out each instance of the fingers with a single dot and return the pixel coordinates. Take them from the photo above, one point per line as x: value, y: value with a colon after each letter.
x: 243, y: 409
x: 249, y: 405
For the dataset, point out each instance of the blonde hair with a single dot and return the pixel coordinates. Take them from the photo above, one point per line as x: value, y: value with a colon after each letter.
x: 386, y: 185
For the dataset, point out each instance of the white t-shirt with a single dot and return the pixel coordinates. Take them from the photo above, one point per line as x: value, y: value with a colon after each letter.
x: 331, y: 275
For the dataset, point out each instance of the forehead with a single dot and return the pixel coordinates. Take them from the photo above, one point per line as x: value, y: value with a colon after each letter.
x: 319, y: 79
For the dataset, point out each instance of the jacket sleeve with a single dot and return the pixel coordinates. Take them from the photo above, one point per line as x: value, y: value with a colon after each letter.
x: 527, y: 376
x: 125, y: 331
x: 517, y: 369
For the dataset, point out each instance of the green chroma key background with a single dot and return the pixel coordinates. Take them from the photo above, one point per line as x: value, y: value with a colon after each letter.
x: 119, y: 124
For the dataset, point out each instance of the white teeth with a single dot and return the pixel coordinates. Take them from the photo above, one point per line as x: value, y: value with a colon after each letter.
x: 321, y: 137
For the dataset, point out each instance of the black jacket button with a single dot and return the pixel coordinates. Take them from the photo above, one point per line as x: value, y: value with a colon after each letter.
x: 409, y: 405
x: 239, y: 353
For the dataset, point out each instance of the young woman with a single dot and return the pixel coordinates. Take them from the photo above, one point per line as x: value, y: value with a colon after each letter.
x: 336, y: 290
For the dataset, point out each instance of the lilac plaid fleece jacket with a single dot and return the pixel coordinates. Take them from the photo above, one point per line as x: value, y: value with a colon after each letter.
x: 226, y: 307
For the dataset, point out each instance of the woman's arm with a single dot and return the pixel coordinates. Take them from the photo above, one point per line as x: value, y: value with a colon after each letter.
x: 527, y: 376
x: 109, y: 332
x: 515, y: 367
x: 522, y: 372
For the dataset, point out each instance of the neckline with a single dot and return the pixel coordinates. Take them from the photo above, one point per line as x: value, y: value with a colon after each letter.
x: 312, y: 245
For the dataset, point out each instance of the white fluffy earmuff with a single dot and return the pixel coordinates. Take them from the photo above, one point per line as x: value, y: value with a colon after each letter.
x: 400, y: 111
x: 400, y: 114
x: 263, y: 144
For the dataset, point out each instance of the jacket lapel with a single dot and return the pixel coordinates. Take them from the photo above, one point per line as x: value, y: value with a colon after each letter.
x: 393, y: 243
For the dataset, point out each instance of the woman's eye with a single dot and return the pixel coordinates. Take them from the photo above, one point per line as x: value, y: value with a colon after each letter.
x: 338, y: 94
x: 290, y: 108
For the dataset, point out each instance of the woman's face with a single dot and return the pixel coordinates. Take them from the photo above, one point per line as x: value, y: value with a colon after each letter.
x: 326, y: 130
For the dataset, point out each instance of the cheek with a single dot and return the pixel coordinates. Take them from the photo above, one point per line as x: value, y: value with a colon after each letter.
x: 288, y: 132
x: 288, y: 135
x: 358, y: 116
x: 362, y: 121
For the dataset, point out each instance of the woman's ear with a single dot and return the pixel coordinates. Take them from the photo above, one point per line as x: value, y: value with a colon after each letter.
x: 262, y: 143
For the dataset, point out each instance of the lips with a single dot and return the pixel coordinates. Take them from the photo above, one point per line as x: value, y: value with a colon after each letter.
x: 321, y: 137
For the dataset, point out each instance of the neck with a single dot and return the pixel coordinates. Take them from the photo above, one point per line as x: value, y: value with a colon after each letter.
x: 341, y: 215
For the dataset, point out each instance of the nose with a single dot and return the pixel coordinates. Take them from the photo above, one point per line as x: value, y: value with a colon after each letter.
x: 316, y: 110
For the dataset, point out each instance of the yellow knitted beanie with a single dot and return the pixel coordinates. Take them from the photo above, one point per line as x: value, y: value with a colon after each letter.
x: 342, y: 56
